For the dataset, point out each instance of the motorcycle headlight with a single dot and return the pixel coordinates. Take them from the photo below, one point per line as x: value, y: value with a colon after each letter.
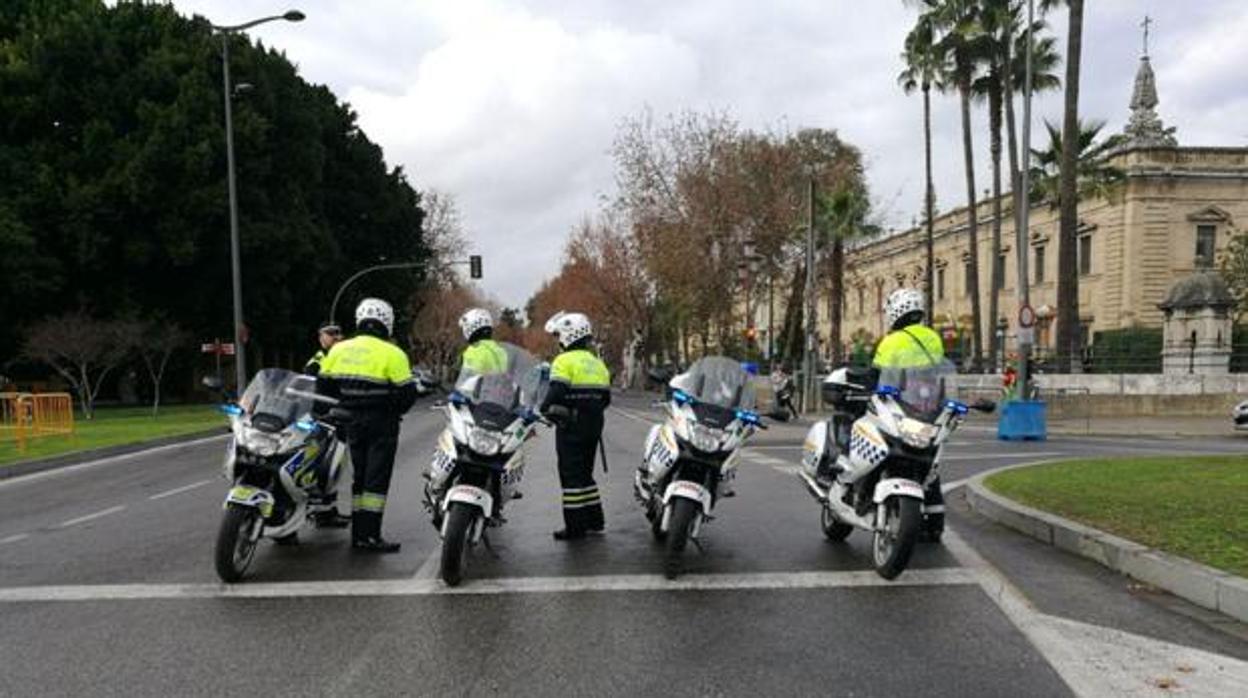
x: 260, y: 443
x: 484, y: 441
x: 916, y: 434
x: 705, y: 438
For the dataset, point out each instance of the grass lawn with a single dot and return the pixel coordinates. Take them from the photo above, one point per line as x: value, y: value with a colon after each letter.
x: 1196, y: 508
x: 118, y: 425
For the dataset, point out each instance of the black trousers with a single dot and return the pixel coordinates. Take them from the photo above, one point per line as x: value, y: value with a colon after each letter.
x: 934, y: 503
x: 576, y: 448
x: 373, y: 446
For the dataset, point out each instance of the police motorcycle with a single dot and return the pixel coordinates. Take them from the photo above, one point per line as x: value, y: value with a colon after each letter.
x: 867, y: 466
x: 690, y: 460
x: 282, y: 461
x: 479, y: 460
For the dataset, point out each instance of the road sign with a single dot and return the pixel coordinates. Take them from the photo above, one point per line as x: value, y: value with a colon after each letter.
x: 1027, y: 335
x: 218, y: 347
x: 1026, y: 317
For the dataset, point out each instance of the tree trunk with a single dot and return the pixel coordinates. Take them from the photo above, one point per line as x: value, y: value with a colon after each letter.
x: 791, y: 346
x: 998, y: 270
x: 836, y: 302
x: 929, y: 205
x: 1011, y: 134
x: 972, y: 232
x: 1067, y: 260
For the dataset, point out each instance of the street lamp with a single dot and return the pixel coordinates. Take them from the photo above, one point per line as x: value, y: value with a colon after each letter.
x: 240, y: 356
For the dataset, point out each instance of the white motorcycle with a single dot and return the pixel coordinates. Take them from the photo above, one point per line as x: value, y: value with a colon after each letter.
x: 479, y: 460
x: 690, y: 460
x: 868, y: 465
x: 282, y: 461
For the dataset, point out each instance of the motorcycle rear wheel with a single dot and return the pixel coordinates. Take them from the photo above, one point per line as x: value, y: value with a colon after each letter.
x: 893, y: 543
x: 833, y: 529
x: 679, y: 528
x: 236, y: 547
x: 459, y: 520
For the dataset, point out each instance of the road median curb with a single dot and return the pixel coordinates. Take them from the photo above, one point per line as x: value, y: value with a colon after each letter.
x: 30, y: 467
x: 1202, y: 585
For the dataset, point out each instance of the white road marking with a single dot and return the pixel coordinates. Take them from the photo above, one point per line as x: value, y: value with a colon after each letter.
x: 92, y: 517
x: 516, y: 585
x: 180, y: 490
x: 1001, y: 456
x: 57, y: 472
x: 429, y: 569
x: 1097, y: 661
x: 14, y: 538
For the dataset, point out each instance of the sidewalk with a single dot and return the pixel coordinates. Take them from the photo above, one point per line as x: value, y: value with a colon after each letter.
x: 1145, y: 426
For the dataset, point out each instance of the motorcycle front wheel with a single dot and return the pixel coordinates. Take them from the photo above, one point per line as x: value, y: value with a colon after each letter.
x: 679, y: 528
x: 894, y: 540
x: 236, y: 542
x: 459, y: 520
x: 833, y: 529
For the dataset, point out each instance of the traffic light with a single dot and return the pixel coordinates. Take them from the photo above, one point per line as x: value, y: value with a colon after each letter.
x: 474, y: 266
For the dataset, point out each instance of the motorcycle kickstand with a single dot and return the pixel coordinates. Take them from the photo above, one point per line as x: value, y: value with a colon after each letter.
x: 485, y: 541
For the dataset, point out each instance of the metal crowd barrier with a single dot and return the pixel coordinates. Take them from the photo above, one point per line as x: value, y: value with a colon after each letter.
x: 25, y: 416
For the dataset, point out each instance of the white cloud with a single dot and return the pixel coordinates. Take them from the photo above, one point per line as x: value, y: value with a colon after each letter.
x: 512, y: 106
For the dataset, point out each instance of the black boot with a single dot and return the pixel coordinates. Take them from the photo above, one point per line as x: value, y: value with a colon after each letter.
x: 330, y: 519
x: 375, y: 544
x: 566, y: 534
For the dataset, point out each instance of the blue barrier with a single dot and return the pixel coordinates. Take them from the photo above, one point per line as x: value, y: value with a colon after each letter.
x: 1022, y: 420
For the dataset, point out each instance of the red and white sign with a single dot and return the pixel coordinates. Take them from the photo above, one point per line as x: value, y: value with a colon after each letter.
x: 1026, y: 316
x: 218, y: 347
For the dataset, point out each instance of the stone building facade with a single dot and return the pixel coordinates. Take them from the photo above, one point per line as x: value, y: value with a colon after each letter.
x: 1177, y: 209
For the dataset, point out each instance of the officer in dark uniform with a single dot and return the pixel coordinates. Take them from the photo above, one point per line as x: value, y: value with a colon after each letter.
x: 329, y: 335
x: 580, y: 391
x: 373, y: 379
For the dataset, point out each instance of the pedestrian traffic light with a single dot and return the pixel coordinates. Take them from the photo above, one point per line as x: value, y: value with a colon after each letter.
x: 474, y: 266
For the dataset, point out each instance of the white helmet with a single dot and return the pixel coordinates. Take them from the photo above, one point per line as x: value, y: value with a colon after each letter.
x: 570, y: 327
x: 901, y: 303
x: 375, y: 309
x: 473, y: 320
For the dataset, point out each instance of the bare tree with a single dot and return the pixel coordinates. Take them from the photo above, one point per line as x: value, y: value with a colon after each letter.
x: 444, y: 229
x: 82, y: 350
x: 435, y: 337
x: 155, y: 342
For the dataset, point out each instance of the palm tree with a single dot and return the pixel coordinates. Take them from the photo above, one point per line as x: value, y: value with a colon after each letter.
x: 926, y: 68
x: 964, y: 44
x: 1095, y: 177
x: 844, y: 215
x: 1067, y: 262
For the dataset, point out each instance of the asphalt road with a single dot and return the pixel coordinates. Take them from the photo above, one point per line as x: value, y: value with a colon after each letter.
x: 107, y: 588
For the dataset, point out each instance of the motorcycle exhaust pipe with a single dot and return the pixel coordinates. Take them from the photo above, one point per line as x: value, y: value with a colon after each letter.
x: 813, y: 487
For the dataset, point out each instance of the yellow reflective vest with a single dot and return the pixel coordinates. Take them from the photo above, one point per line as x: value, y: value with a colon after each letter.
x: 485, y: 357
x: 915, y: 346
x: 368, y: 372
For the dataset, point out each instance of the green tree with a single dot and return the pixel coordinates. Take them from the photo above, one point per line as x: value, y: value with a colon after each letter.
x: 1096, y: 178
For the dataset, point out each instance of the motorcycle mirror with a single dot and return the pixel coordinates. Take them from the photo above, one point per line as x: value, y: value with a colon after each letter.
x: 984, y: 405
x: 213, y: 382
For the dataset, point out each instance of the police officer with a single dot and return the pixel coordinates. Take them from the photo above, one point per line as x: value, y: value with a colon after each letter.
x: 580, y: 391
x: 911, y: 344
x: 483, y: 355
x: 329, y: 335
x: 372, y: 378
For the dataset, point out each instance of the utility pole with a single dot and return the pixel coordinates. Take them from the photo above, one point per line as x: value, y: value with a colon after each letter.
x: 1024, y: 216
x: 809, y: 355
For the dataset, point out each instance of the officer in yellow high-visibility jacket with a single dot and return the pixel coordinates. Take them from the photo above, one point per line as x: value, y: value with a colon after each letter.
x: 911, y: 344
x: 329, y: 335
x: 580, y: 391
x: 373, y: 379
x: 483, y: 356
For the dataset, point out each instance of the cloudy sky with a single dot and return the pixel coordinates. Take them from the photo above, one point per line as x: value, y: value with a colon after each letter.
x: 512, y: 105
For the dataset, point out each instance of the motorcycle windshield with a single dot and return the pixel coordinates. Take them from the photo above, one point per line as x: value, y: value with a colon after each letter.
x: 719, y: 381
x: 520, y: 384
x: 269, y: 405
x: 922, y: 388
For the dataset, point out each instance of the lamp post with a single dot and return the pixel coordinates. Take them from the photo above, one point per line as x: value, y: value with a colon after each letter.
x: 240, y: 356
x: 1022, y: 219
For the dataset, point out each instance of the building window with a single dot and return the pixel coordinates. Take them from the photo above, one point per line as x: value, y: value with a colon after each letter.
x: 1206, y: 243
x: 1039, y: 264
x: 967, y: 278
x: 940, y: 283
x: 1085, y: 255
x: 1000, y: 271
